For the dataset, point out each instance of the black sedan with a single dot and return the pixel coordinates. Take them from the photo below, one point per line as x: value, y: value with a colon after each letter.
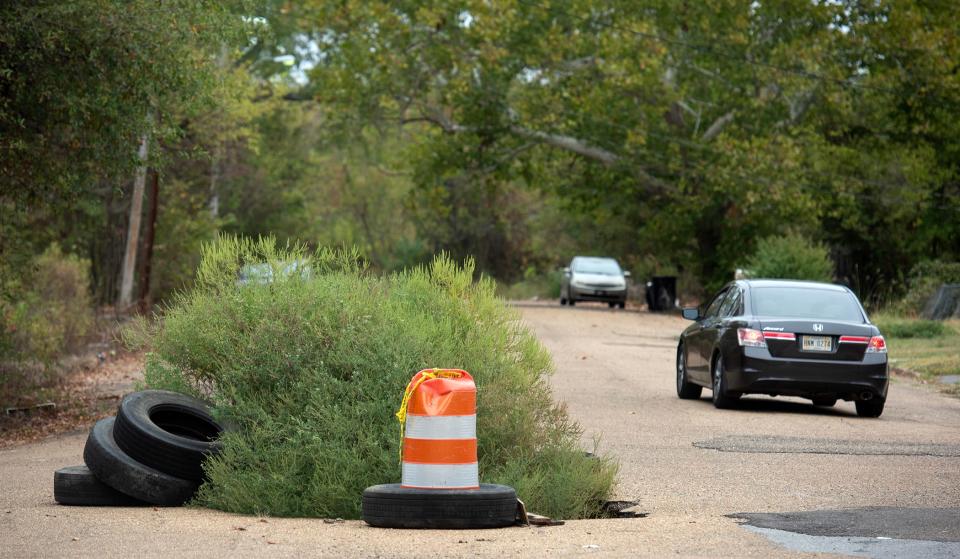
x: 789, y: 338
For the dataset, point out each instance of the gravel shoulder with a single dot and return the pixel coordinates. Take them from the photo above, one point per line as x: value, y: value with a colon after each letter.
x: 615, y: 374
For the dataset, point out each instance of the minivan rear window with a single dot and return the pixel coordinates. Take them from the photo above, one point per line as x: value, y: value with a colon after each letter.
x: 603, y: 266
x: 805, y: 302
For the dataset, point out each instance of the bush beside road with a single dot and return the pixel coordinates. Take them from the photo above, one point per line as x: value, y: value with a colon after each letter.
x: 311, y: 368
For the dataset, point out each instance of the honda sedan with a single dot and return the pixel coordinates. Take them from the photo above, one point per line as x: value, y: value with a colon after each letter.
x: 784, y: 338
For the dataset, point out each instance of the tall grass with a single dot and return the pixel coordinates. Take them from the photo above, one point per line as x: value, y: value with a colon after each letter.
x: 311, y: 368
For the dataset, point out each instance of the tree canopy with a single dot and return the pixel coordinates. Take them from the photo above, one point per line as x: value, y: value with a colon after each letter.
x: 703, y: 126
x: 673, y: 136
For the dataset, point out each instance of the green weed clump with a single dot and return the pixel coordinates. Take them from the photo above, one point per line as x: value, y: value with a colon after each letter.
x: 905, y: 328
x: 310, y: 368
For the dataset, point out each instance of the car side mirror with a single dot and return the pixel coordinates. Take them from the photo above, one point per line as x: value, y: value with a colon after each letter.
x: 691, y: 313
x: 626, y: 274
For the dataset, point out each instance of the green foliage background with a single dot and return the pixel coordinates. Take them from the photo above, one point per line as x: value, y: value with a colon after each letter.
x: 790, y: 257
x: 518, y: 133
x: 312, y: 371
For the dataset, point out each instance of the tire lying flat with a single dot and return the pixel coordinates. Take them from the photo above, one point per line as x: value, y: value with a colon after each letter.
x: 393, y: 506
x: 168, y: 431
x: 115, y: 468
x: 76, y: 485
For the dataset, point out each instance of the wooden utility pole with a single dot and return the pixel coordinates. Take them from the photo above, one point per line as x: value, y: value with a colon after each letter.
x: 133, y: 229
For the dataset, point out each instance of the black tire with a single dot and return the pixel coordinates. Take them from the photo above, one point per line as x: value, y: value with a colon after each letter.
x: 686, y: 390
x: 117, y: 469
x: 393, y: 506
x: 563, y: 301
x: 825, y: 402
x: 870, y: 408
x: 622, y: 304
x: 76, y: 485
x: 572, y: 302
x: 611, y: 304
x: 722, y: 398
x: 168, y: 431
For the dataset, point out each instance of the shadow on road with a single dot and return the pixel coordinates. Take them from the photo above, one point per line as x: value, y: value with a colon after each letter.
x: 762, y: 404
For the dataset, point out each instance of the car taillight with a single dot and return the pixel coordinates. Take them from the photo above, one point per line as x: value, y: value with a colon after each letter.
x: 877, y: 345
x: 750, y: 338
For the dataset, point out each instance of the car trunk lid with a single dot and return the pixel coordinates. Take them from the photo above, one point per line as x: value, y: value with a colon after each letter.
x: 811, y: 339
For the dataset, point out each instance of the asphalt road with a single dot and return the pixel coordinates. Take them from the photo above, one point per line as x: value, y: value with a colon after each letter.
x: 694, y: 469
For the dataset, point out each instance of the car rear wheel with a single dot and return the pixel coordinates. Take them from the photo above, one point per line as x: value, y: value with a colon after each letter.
x: 622, y: 304
x: 685, y: 390
x: 573, y: 302
x: 870, y: 408
x: 722, y: 398
x: 563, y: 301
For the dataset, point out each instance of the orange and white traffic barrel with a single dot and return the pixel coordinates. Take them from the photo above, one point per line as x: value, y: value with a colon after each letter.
x: 439, y: 426
x: 440, y: 485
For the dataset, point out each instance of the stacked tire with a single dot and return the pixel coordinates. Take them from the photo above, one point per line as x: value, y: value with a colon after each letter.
x: 150, y: 453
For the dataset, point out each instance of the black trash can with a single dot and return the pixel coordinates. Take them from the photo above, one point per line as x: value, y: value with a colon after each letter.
x: 661, y: 293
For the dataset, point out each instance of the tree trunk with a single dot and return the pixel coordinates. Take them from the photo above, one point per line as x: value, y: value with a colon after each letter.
x: 133, y: 229
x: 216, y: 162
x: 147, y: 261
x: 215, y: 171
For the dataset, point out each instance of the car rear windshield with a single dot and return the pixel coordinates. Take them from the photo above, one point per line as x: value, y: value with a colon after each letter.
x: 598, y: 266
x: 803, y: 302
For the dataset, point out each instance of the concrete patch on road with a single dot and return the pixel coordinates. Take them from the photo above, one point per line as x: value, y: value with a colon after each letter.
x: 804, y: 445
x: 869, y: 532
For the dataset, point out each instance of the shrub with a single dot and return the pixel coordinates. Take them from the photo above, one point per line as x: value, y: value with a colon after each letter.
x: 790, y: 256
x: 54, y: 313
x: 543, y: 285
x: 311, y: 371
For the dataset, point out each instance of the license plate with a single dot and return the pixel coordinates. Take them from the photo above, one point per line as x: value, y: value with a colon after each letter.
x: 599, y: 292
x: 817, y: 343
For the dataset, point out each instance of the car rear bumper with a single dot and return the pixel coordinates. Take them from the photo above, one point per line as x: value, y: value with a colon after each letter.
x: 598, y: 294
x: 754, y: 370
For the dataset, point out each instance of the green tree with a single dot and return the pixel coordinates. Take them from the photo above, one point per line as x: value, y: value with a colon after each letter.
x: 701, y: 126
x: 80, y: 83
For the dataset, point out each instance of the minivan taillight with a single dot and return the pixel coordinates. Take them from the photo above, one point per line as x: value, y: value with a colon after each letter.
x: 750, y: 338
x: 877, y: 345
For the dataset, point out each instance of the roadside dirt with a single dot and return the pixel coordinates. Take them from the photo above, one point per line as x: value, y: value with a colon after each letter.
x: 89, y: 388
x: 615, y: 372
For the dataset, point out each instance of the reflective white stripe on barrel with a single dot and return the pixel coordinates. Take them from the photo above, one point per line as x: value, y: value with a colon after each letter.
x: 440, y: 476
x: 436, y: 427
